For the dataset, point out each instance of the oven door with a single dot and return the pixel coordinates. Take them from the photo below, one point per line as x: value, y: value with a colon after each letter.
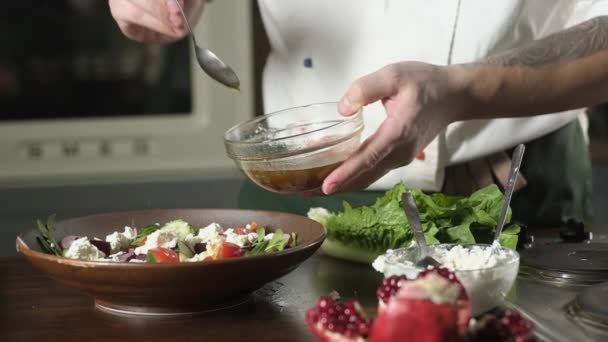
x: 79, y: 101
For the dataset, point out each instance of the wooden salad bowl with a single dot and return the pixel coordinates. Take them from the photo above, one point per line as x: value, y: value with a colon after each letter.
x: 178, y: 288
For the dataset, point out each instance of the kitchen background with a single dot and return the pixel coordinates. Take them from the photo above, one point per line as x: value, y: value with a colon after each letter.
x: 91, y: 122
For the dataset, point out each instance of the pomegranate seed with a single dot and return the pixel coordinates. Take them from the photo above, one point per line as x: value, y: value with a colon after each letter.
x: 342, y: 318
x: 508, y: 326
x: 389, y: 287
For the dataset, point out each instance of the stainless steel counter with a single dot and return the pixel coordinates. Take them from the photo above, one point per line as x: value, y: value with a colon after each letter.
x: 546, y: 305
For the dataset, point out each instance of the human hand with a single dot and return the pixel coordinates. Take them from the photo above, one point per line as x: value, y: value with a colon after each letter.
x: 420, y: 101
x: 154, y: 21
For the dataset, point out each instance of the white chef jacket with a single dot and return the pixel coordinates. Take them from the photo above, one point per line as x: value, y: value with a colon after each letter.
x: 319, y: 47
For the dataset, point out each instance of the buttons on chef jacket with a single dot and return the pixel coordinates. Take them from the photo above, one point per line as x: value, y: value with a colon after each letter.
x: 307, y: 62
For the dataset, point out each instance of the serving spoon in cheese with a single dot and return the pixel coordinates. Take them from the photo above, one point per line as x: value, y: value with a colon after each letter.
x: 411, y: 212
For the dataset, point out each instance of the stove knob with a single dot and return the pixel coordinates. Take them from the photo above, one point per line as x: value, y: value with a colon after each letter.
x: 573, y: 231
x: 526, y: 238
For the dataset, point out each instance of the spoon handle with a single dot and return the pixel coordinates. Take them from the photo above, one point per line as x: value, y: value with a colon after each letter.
x: 518, y: 155
x: 186, y: 21
x: 411, y: 212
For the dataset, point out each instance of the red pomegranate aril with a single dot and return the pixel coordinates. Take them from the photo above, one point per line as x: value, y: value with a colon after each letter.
x: 505, y: 326
x: 464, y: 302
x: 331, y: 320
x: 389, y: 287
x: 442, y: 271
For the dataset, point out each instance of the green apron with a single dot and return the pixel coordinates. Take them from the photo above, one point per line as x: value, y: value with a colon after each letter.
x: 557, y: 167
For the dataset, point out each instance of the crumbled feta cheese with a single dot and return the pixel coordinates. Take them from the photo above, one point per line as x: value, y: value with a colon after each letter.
x: 83, y: 249
x: 239, y: 239
x: 212, y: 247
x: 211, y: 233
x: 160, y: 238
x: 190, y: 240
x: 120, y: 241
x: 198, y: 257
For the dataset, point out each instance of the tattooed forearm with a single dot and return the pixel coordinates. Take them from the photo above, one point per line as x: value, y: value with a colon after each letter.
x: 585, y: 39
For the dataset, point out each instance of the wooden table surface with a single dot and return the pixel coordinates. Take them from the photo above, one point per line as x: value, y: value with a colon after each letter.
x: 36, y: 308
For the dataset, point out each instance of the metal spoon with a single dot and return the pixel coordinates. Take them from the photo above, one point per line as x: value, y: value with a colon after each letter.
x: 518, y: 155
x: 411, y: 212
x: 210, y: 63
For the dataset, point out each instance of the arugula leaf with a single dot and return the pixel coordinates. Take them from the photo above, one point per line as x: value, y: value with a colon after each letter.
x: 294, y: 239
x: 277, y: 243
x: 261, y: 231
x: 260, y: 244
x: 259, y: 248
x: 47, y: 239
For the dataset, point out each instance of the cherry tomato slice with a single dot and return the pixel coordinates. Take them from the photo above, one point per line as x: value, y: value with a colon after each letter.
x: 240, y: 231
x: 162, y: 255
x: 253, y: 226
x: 228, y: 250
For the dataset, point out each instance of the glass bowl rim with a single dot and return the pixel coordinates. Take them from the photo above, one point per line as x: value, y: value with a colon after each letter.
x: 357, y: 116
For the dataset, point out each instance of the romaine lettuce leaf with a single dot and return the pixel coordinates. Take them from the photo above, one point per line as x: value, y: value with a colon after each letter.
x: 371, y: 230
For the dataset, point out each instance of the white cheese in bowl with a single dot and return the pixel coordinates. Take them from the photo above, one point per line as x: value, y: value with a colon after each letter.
x: 487, y: 277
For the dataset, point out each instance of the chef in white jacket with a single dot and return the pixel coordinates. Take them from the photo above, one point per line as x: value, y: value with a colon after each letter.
x: 318, y: 48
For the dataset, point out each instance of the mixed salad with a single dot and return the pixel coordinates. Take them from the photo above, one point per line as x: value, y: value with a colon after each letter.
x: 175, y: 241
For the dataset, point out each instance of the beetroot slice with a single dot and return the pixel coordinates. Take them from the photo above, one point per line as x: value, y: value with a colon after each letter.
x: 103, y: 246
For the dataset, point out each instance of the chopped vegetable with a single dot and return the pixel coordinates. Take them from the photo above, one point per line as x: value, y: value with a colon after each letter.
x: 47, y: 239
x: 278, y: 242
x: 102, y: 246
x: 183, y: 248
x: 175, y: 241
x: 228, y: 250
x: 162, y: 255
x: 140, y: 239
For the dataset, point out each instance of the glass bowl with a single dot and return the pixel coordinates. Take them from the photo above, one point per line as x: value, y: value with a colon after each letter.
x: 293, y: 150
x: 487, y: 286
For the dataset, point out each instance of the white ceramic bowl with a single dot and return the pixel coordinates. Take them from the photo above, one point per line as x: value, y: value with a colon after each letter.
x: 487, y: 286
